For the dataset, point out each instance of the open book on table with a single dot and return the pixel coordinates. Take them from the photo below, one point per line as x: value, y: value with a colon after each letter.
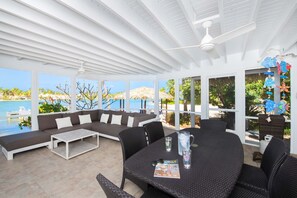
x: 167, y: 169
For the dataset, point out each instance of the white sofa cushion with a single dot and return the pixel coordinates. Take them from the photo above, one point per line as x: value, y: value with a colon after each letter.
x: 104, y: 118
x: 116, y: 119
x: 83, y: 119
x: 63, y: 122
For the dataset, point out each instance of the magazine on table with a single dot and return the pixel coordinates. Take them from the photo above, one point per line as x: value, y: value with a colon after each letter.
x: 167, y: 169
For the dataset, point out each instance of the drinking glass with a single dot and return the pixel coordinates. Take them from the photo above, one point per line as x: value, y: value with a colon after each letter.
x: 168, y: 143
x: 187, y: 158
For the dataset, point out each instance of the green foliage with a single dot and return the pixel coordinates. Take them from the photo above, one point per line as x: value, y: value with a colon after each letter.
x: 25, y: 123
x: 49, y: 108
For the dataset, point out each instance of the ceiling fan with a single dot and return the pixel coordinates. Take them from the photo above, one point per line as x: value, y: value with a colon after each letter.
x: 208, y: 43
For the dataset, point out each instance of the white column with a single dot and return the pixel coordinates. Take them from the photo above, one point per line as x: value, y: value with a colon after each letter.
x: 204, y: 97
x: 34, y: 100
x: 73, y: 93
x: 99, y: 94
x: 293, y: 105
x: 156, y: 97
x: 240, y: 105
x: 192, y: 102
x: 127, y: 100
x: 176, y: 102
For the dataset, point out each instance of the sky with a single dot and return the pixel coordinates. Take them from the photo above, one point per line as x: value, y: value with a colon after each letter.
x: 10, y: 78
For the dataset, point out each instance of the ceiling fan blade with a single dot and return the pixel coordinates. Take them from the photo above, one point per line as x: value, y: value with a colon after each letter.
x: 234, y: 33
x: 213, y: 53
x: 184, y: 47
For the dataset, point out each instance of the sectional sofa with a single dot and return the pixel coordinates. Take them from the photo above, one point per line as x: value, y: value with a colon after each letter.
x: 48, y: 126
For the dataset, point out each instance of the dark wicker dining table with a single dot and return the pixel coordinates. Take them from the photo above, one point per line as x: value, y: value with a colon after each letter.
x: 216, y: 165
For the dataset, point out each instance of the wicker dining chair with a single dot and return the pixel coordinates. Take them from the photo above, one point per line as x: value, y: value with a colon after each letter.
x: 132, y: 140
x: 154, y: 131
x: 112, y: 191
x: 260, y: 179
x: 213, y: 125
x: 285, y: 181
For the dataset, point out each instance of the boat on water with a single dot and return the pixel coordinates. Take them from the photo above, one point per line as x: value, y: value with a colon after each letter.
x: 23, y: 112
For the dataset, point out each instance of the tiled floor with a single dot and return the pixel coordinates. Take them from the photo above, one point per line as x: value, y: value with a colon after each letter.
x: 40, y: 173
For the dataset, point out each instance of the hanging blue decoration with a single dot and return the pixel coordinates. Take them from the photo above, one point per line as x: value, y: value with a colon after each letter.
x: 269, y: 62
x: 269, y: 73
x: 283, y: 67
x: 269, y: 82
x: 269, y: 105
x: 282, y: 107
x: 283, y: 77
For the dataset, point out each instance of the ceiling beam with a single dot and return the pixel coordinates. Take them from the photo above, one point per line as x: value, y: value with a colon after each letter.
x: 255, y: 10
x: 106, y: 26
x: 221, y: 14
x: 52, y: 59
x: 18, y: 25
x: 56, y: 55
x: 82, y: 51
x: 52, y: 49
x: 170, y: 27
x: 27, y: 55
x: 287, y: 12
x: 63, y: 29
x: 122, y: 9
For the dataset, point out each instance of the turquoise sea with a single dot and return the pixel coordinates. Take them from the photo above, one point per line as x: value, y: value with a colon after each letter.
x: 10, y: 126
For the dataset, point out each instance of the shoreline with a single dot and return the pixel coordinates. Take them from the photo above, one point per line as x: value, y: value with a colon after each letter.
x: 13, y: 100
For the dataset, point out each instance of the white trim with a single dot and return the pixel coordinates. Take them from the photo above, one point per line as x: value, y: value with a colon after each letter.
x: 109, y: 136
x: 9, y: 154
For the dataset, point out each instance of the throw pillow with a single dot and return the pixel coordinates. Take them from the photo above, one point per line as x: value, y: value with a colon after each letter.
x: 130, y: 121
x: 63, y: 122
x: 116, y: 119
x: 83, y: 119
x: 104, y: 118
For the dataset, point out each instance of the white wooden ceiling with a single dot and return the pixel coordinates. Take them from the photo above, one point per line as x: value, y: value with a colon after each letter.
x: 125, y: 37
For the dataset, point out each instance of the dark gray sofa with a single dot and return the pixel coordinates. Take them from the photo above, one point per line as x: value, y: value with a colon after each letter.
x: 47, y: 126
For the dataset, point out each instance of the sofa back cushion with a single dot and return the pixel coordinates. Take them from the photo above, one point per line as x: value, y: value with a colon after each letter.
x: 93, y: 113
x: 48, y: 121
x: 73, y: 116
x: 142, y: 117
x: 111, y: 112
x: 125, y: 116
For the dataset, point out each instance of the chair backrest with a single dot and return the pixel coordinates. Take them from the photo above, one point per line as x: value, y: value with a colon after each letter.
x: 154, y: 131
x: 273, y: 156
x: 132, y: 140
x: 274, y: 127
x: 213, y: 125
x: 110, y: 189
x: 285, y: 181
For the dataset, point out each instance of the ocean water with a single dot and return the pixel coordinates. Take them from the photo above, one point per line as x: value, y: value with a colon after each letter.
x: 10, y: 126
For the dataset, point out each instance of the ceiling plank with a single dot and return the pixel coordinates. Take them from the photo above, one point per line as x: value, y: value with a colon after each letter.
x: 52, y: 49
x: 221, y: 13
x: 83, y: 51
x: 91, y: 65
x: 122, y: 9
x: 29, y: 29
x: 288, y: 10
x: 114, y: 31
x: 65, y: 30
x: 253, y: 16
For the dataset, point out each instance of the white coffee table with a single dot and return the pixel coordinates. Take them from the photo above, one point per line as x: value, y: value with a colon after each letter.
x: 72, y: 146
